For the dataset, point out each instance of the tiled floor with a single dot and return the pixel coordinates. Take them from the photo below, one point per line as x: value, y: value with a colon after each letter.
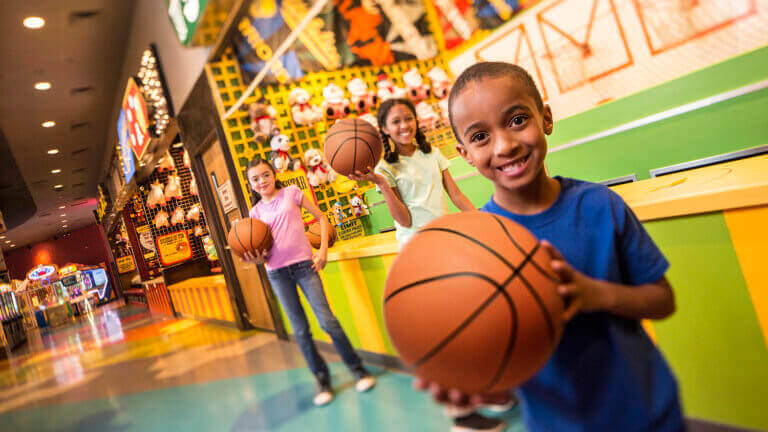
x: 124, y: 370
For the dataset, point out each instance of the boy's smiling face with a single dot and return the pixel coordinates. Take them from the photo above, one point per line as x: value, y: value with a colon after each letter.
x: 502, y: 132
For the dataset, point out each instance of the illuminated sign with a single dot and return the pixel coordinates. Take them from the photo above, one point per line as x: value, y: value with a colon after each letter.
x: 174, y: 248
x: 136, y: 120
x: 67, y: 270
x: 125, y: 264
x: 126, y: 155
x: 41, y: 272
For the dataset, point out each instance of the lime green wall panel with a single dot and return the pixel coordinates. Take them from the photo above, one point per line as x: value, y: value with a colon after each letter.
x: 375, y: 275
x: 713, y: 341
x: 336, y: 290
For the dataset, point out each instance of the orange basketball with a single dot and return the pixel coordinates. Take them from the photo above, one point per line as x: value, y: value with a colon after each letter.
x: 313, y: 235
x: 249, y: 235
x: 352, y: 144
x: 471, y: 303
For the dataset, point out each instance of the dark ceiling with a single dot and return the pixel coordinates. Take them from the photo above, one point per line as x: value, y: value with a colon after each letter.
x: 80, y: 51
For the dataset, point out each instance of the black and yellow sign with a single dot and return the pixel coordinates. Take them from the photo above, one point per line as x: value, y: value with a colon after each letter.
x: 174, y: 248
x: 350, y: 229
x: 299, y: 179
x: 125, y: 264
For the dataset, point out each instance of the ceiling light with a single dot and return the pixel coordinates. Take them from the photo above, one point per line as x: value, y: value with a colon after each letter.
x: 43, y: 85
x: 63, y: 226
x: 56, y: 171
x: 7, y: 241
x: 62, y: 215
x: 13, y: 245
x: 62, y: 207
x: 58, y: 186
x: 2, y: 237
x: 33, y: 22
x: 53, y: 151
x: 49, y: 124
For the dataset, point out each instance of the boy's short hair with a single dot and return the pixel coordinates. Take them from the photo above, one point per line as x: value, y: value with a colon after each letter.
x: 486, y: 70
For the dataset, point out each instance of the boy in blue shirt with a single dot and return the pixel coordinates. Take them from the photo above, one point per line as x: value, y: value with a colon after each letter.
x: 606, y: 374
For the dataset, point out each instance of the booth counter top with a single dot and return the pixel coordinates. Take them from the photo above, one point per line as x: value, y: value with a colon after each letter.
x: 737, y: 184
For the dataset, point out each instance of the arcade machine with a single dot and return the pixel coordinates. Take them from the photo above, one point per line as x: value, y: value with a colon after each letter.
x: 12, y: 332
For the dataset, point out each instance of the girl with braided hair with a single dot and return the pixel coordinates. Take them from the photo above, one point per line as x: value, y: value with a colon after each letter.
x: 411, y: 177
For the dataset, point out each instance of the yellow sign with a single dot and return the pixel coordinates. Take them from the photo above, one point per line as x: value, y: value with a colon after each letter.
x: 68, y: 269
x: 299, y: 179
x: 125, y: 264
x: 174, y: 248
x: 350, y: 229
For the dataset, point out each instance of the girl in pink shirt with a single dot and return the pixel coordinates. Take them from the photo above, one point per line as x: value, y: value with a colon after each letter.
x: 291, y: 262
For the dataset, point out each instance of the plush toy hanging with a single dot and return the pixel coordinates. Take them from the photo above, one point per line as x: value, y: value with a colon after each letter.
x: 414, y: 84
x: 441, y: 88
x: 336, y: 106
x: 187, y: 162
x: 156, y: 196
x: 177, y: 218
x: 281, y: 160
x: 161, y: 219
x: 173, y: 188
x: 193, y: 186
x: 318, y: 171
x: 263, y: 121
x: 199, y: 231
x: 194, y: 213
x: 358, y: 206
x: 387, y: 89
x: 428, y: 118
x: 363, y: 100
x: 370, y: 118
x: 166, y: 163
x: 302, y: 111
x: 338, y: 214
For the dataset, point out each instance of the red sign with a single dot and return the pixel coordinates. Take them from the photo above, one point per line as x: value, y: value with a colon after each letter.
x: 136, y: 118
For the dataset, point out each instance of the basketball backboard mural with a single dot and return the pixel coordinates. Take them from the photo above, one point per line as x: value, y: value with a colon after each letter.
x: 582, y: 53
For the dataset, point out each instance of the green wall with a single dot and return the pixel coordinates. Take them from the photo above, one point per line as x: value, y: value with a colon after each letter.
x: 728, y: 126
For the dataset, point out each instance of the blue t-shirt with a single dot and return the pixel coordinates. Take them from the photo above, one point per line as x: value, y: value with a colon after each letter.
x: 606, y: 374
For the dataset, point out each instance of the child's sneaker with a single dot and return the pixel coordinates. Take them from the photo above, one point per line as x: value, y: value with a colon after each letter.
x: 501, y: 405
x: 475, y: 422
x: 364, y: 381
x: 324, y: 394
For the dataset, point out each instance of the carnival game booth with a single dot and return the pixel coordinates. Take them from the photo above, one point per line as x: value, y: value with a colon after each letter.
x: 636, y: 90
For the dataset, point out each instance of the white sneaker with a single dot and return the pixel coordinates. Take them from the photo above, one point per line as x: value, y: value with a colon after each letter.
x: 324, y: 395
x: 365, y: 381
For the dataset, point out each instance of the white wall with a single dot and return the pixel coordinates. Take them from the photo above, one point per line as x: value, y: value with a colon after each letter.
x: 181, y: 65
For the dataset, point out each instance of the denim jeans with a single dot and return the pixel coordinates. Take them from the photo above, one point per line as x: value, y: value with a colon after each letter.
x: 284, y: 282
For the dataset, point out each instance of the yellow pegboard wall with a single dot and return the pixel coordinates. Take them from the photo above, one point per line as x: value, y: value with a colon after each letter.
x: 226, y: 76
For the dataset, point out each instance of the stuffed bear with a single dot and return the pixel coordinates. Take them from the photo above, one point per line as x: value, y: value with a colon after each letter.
x: 318, y: 171
x: 441, y: 88
x: 336, y: 105
x: 302, y: 111
x: 387, y: 89
x: 281, y: 160
x: 263, y: 121
x: 415, y: 86
x: 358, y: 206
x: 362, y: 98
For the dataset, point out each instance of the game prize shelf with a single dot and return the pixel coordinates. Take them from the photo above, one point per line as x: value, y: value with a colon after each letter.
x: 709, y: 222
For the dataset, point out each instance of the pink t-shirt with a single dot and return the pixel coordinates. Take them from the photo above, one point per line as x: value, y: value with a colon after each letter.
x: 283, y: 217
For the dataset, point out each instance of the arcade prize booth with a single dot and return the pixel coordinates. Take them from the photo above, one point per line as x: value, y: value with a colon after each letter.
x: 52, y: 297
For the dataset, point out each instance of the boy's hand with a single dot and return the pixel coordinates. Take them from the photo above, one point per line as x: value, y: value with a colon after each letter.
x: 581, y: 292
x: 369, y: 176
x: 452, y: 397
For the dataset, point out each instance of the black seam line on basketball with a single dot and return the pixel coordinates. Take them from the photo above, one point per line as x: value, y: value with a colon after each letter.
x: 347, y: 130
x: 250, y: 221
x: 500, y: 288
x: 513, y: 312
x: 354, y: 156
x: 520, y: 248
x: 478, y: 242
x: 341, y: 144
x: 437, y: 278
x: 237, y: 236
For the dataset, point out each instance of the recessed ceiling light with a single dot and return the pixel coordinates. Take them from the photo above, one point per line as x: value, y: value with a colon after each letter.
x: 53, y: 151
x: 62, y: 207
x: 63, y: 220
x: 33, y: 22
x: 13, y: 245
x: 56, y: 171
x: 62, y: 215
x: 58, y: 186
x: 43, y: 85
x: 7, y: 241
x: 63, y: 226
x: 49, y: 124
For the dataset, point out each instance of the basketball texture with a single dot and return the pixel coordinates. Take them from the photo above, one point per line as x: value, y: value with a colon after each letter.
x: 352, y: 144
x: 471, y: 303
x: 249, y: 235
x: 313, y: 235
